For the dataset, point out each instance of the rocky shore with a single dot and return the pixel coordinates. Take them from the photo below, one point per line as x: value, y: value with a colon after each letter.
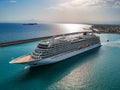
x: 107, y: 28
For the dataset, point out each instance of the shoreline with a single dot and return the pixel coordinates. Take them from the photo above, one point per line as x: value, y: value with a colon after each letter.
x: 107, y: 28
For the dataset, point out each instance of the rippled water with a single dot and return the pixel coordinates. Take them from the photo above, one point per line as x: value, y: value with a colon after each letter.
x: 98, y: 69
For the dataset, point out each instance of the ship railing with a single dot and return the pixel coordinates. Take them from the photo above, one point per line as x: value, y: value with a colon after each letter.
x: 34, y: 57
x: 42, y: 48
x: 77, y: 40
x: 36, y: 54
x: 37, y: 50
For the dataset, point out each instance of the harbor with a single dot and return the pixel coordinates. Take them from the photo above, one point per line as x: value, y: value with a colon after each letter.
x: 59, y: 44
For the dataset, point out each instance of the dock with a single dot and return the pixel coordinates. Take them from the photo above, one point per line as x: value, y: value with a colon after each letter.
x: 37, y: 39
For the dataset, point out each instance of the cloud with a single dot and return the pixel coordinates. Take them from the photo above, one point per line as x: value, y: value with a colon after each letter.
x: 76, y: 4
x: 76, y: 11
x: 108, y: 3
x: 13, y: 1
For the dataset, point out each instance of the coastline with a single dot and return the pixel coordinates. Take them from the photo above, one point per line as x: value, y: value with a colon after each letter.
x: 107, y: 28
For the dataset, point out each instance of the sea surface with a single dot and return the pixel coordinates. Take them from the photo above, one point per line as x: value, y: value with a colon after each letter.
x: 98, y: 69
x: 18, y: 31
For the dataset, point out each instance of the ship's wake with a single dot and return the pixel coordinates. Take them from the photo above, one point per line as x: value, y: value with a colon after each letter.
x: 26, y: 67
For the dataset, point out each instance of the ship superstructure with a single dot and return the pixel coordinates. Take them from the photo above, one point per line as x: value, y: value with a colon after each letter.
x: 59, y: 48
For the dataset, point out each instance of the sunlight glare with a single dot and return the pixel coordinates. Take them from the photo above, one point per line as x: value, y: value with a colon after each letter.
x: 73, y: 27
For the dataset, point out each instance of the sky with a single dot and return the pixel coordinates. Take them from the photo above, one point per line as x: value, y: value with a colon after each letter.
x: 60, y: 11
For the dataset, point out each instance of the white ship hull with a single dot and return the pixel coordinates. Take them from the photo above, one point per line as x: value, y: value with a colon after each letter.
x: 62, y: 56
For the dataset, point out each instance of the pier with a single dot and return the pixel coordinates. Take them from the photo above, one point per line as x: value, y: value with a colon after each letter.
x: 37, y: 39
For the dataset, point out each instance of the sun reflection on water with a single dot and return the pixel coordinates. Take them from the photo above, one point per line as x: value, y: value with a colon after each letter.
x: 75, y: 78
x: 74, y: 27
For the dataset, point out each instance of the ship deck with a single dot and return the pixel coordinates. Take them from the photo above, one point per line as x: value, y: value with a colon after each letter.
x: 23, y: 59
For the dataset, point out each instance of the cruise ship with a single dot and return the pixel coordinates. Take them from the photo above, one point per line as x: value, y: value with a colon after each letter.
x: 59, y: 48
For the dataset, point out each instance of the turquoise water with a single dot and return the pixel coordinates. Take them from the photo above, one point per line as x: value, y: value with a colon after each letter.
x: 98, y: 69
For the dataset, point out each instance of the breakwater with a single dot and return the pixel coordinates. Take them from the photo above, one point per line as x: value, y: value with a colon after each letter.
x: 36, y: 39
